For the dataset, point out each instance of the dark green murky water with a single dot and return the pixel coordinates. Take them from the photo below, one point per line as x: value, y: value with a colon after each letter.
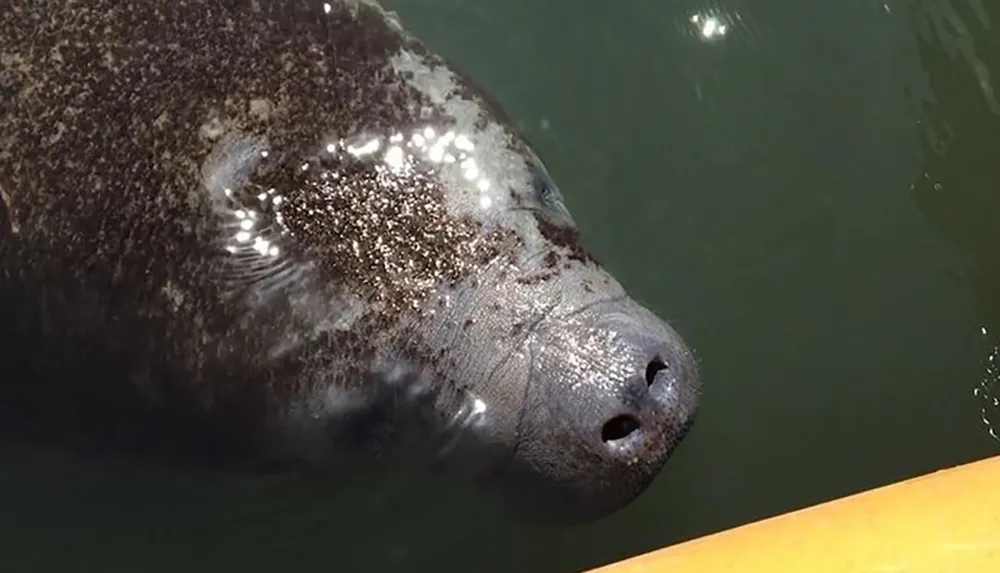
x: 809, y: 190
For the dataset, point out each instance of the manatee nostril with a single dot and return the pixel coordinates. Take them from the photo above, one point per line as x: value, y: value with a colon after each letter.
x: 654, y: 367
x: 619, y: 427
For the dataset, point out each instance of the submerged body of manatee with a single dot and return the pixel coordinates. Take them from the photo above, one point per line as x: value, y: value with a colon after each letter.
x: 284, y: 232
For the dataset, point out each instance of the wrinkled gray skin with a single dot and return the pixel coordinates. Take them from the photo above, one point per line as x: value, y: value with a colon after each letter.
x: 280, y: 232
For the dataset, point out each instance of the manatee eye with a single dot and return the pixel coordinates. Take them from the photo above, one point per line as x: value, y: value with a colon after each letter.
x: 550, y: 204
x: 545, y: 189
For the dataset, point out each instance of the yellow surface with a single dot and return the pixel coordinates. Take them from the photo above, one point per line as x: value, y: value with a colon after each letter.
x: 947, y: 522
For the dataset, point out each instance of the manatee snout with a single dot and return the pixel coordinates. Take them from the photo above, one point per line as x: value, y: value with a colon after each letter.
x: 612, y: 391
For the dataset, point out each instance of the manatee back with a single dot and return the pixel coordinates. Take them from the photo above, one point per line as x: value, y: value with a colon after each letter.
x: 113, y: 316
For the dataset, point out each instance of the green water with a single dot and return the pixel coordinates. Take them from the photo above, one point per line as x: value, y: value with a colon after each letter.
x: 810, y: 197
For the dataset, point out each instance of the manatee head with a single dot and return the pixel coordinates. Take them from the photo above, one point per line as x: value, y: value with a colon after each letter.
x: 452, y: 312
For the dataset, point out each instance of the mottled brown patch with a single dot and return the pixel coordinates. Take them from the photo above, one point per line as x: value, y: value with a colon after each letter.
x: 551, y: 260
x: 8, y: 212
x: 535, y: 278
x: 387, y: 237
x: 565, y: 237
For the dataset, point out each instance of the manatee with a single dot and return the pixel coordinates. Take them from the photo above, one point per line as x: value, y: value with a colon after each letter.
x: 273, y: 234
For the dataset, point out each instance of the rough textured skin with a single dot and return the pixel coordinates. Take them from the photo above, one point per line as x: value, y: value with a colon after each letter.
x: 226, y: 230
